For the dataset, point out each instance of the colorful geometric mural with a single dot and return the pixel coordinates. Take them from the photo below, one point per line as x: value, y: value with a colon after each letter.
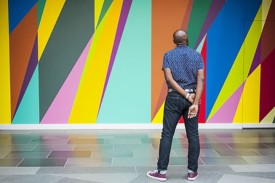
x: 99, y: 61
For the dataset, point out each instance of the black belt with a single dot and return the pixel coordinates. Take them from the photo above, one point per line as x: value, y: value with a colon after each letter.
x: 187, y: 90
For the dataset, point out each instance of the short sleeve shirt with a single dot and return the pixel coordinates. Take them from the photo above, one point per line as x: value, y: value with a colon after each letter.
x: 184, y: 64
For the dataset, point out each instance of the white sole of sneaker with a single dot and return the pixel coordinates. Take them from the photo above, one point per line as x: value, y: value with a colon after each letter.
x: 194, y: 178
x: 155, y: 178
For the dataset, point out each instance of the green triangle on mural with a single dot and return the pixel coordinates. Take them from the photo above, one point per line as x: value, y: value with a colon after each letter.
x: 197, y: 18
x: 28, y: 111
x: 105, y: 7
x: 41, y: 5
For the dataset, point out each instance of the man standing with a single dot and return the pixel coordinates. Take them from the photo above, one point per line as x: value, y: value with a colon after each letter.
x: 184, y: 74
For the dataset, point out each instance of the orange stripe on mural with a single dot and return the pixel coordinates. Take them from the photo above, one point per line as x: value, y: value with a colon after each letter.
x: 21, y: 43
x: 166, y: 18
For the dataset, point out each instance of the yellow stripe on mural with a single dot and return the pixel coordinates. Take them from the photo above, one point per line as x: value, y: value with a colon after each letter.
x: 5, y: 98
x: 235, y: 78
x: 49, y: 17
x: 249, y: 108
x: 98, y: 8
x: 159, y: 116
x: 238, y: 118
x: 87, y: 102
x: 269, y: 117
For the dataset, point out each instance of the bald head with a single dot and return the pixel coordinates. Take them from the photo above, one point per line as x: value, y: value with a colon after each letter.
x: 180, y: 37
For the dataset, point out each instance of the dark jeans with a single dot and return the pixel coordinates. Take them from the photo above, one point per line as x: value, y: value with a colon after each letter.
x: 175, y: 107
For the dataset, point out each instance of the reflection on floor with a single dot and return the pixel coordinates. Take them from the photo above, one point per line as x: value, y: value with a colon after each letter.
x: 124, y: 156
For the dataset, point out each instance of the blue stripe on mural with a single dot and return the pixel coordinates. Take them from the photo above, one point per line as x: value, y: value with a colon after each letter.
x: 17, y: 11
x: 225, y: 41
x: 128, y: 94
x: 212, y: 13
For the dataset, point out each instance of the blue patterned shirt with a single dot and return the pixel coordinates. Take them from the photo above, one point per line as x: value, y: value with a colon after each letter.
x: 184, y: 64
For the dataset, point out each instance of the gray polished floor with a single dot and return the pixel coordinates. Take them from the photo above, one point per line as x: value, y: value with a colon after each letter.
x: 124, y: 156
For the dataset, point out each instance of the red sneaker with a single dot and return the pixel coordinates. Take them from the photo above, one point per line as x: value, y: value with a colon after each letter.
x: 155, y: 174
x: 192, y: 176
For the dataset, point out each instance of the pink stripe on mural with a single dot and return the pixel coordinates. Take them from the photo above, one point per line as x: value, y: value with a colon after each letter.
x: 227, y: 112
x: 59, y: 111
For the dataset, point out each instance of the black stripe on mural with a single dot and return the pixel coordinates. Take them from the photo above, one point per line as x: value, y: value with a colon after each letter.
x: 71, y: 33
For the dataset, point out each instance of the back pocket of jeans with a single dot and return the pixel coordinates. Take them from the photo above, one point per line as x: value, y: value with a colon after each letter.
x: 172, y: 102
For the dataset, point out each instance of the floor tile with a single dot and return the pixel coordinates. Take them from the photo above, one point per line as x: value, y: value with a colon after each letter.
x: 53, y: 147
x: 71, y: 154
x: 85, y: 170
x: 102, y: 178
x: 31, y: 178
x: 89, y: 162
x: 94, y: 147
x: 14, y: 141
x: 132, y: 146
x: 118, y: 162
x: 247, y: 146
x: 86, y: 141
x: 259, y: 159
x: 42, y: 162
x: 266, y: 152
x: 238, y: 179
x: 214, y: 146
x: 72, y: 180
x: 223, y: 160
x: 123, y: 141
x: 9, y: 162
x: 49, y: 141
x: 3, y: 153
x: 18, y: 170
x: 236, y: 152
x: 270, y: 145
x: 110, y: 154
x: 253, y: 168
x: 17, y: 147
x: 27, y: 154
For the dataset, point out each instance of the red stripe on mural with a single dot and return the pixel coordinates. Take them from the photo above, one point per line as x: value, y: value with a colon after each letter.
x: 202, y: 115
x: 267, y: 99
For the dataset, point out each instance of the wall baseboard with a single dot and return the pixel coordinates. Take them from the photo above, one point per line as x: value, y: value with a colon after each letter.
x: 125, y: 126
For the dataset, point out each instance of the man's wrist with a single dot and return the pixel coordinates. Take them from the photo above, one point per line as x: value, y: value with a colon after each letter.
x: 187, y: 96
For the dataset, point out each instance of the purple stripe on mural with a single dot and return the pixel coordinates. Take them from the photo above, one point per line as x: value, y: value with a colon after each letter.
x: 29, y: 72
x: 257, y: 59
x: 228, y: 110
x: 121, y: 24
x: 213, y: 11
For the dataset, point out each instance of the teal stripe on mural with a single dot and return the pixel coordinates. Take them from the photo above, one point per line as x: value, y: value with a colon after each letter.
x: 198, y: 14
x: 128, y: 94
x: 28, y: 111
x: 41, y: 5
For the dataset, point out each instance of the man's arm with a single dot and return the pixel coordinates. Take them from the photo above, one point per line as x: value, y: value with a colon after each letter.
x: 193, y: 109
x: 169, y: 78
